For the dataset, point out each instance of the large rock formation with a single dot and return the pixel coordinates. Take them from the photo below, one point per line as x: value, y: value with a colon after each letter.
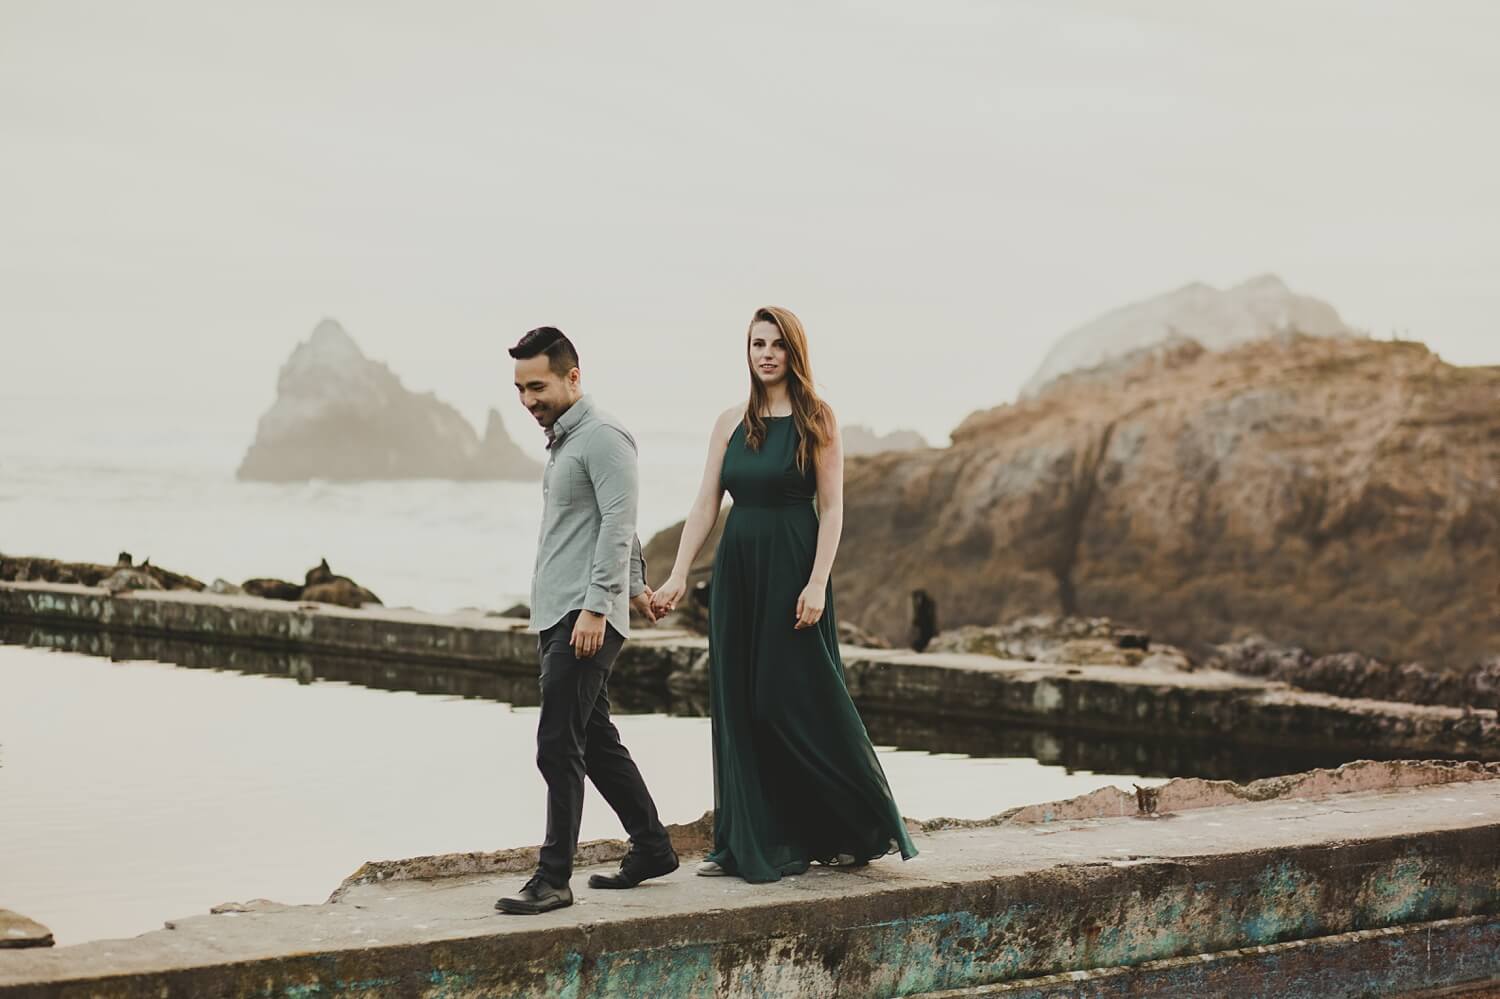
x: 1329, y: 493
x: 859, y: 439
x: 1215, y: 319
x: 339, y: 415
x: 1332, y: 493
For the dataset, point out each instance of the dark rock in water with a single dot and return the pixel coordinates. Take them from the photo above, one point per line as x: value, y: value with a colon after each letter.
x: 326, y: 588
x: 340, y: 416
x: 17, y: 931
x: 272, y: 589
x: 20, y: 569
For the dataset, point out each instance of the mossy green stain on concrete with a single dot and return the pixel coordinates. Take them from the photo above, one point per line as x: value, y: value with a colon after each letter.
x: 449, y: 984
x: 1403, y: 892
x: 675, y: 971
x: 1285, y: 905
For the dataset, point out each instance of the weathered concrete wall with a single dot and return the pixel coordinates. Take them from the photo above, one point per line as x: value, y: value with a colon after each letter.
x: 1205, y: 704
x: 468, y: 638
x: 980, y: 906
x: 1428, y: 957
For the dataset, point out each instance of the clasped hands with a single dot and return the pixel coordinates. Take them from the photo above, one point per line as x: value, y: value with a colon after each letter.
x: 588, y: 630
x: 809, y: 603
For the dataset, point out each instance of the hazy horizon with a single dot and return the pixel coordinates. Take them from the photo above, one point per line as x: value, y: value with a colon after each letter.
x: 940, y: 191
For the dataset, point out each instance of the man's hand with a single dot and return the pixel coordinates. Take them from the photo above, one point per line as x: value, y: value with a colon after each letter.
x: 810, y: 605
x: 588, y: 634
x: 643, y: 605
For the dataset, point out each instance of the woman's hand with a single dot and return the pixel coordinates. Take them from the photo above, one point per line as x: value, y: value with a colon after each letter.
x: 668, y: 595
x: 810, y: 605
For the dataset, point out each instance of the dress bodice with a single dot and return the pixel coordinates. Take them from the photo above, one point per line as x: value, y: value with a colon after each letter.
x: 768, y: 477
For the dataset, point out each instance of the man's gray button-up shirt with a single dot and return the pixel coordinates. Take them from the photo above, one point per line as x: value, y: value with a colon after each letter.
x: 588, y: 556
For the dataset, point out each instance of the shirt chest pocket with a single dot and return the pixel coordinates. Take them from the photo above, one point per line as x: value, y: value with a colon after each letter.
x: 570, y: 483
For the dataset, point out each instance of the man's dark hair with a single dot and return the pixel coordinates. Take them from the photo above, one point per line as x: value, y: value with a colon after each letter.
x: 562, y: 356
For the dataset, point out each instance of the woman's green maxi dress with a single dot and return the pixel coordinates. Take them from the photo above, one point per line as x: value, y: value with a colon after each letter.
x: 795, y: 776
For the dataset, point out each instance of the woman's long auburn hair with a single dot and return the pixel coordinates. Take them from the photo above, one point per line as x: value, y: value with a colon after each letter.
x: 809, y: 412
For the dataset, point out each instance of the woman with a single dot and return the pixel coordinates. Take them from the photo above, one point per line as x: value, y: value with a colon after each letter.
x: 795, y: 776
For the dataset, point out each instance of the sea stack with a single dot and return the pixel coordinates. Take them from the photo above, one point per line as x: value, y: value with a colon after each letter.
x: 341, y: 416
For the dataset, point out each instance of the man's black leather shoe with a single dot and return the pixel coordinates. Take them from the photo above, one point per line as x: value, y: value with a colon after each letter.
x: 635, y: 868
x: 538, y: 896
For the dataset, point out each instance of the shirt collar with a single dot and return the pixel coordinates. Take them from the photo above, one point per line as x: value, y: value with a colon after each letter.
x: 567, y: 422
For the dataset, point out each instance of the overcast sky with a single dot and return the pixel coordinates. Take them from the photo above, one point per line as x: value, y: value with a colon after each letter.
x: 939, y: 189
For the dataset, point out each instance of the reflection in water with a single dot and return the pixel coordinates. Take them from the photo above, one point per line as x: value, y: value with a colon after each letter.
x: 516, y: 685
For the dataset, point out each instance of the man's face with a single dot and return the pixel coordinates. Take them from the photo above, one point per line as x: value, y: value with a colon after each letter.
x: 545, y: 394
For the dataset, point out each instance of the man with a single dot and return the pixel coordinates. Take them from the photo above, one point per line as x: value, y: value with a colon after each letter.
x: 589, y: 572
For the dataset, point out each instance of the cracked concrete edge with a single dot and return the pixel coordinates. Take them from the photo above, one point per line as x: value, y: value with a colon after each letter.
x: 1109, y: 801
x: 688, y: 837
x: 1184, y: 793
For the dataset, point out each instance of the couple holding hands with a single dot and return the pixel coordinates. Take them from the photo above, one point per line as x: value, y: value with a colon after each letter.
x: 796, y: 779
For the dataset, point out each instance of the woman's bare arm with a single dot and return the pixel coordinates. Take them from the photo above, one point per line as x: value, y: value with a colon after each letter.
x: 705, y: 509
x: 830, y: 475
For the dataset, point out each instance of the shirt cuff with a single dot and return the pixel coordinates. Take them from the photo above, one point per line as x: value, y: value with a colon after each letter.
x: 598, y: 600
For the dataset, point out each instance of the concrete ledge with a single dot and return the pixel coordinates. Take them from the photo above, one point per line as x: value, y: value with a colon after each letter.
x: 1359, y: 965
x: 1180, y: 794
x: 981, y: 906
x: 464, y: 638
x: 1204, y: 704
x: 1231, y: 708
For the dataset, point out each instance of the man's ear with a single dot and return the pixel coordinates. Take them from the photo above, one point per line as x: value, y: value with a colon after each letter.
x: 574, y: 377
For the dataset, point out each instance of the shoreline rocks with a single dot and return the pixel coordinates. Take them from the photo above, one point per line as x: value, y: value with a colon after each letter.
x: 1352, y: 674
x: 1072, y: 641
x: 320, y: 584
x: 1327, y: 493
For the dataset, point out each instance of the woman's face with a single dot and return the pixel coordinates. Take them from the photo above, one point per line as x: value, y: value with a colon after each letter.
x: 767, y: 352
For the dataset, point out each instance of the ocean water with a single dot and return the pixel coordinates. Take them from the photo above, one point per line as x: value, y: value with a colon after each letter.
x: 86, y: 492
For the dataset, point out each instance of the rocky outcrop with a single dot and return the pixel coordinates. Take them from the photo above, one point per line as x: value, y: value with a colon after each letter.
x: 340, y: 416
x: 324, y: 587
x: 859, y: 439
x: 1328, y: 493
x: 320, y: 585
x: 16, y: 931
x: 1353, y: 674
x: 1212, y: 318
x: 1076, y: 641
x: 126, y: 575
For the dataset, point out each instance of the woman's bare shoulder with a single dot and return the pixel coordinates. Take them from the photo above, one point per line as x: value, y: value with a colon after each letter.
x: 727, y: 420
